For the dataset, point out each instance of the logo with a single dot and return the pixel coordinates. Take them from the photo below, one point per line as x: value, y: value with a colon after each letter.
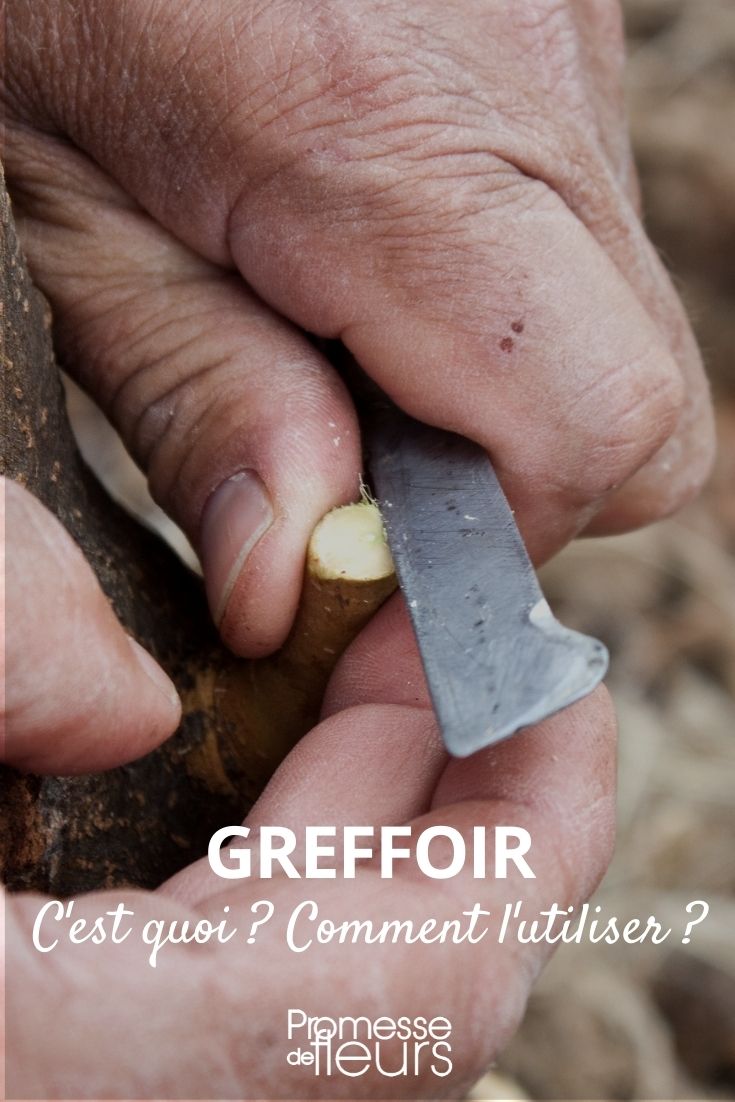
x: 393, y: 1048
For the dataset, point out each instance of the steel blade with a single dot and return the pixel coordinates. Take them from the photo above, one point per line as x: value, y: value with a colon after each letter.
x: 495, y: 658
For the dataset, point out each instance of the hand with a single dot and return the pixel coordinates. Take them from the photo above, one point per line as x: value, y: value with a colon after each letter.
x: 445, y: 187
x: 95, y: 1021
x: 79, y: 694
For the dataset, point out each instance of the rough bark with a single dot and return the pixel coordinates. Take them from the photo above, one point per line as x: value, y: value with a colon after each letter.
x: 142, y: 822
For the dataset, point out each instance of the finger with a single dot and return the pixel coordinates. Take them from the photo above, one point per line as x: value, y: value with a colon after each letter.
x: 584, y: 152
x: 679, y: 468
x: 382, y: 665
x: 427, y: 230
x: 246, y: 434
x: 675, y: 473
x: 388, y: 777
x: 566, y: 803
x: 534, y: 767
x: 432, y: 230
x: 379, y: 737
x: 572, y: 360
x: 386, y: 760
x: 540, y: 351
x: 81, y: 695
x: 194, y: 996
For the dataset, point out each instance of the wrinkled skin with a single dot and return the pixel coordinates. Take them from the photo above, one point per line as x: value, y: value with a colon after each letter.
x: 447, y: 188
x: 210, y: 1022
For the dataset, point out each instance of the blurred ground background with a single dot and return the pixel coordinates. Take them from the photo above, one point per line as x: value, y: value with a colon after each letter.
x: 628, y: 1023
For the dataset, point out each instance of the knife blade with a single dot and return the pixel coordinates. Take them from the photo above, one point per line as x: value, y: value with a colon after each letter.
x: 496, y: 659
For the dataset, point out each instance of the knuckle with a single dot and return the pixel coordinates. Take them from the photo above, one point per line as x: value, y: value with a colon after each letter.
x: 644, y: 407
x: 664, y: 391
x: 672, y: 478
x: 161, y: 353
x: 267, y: 410
x: 177, y: 423
x: 648, y: 412
x: 679, y: 471
x: 373, y: 122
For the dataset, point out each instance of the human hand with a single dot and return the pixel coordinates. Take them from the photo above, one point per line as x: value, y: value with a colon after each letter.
x: 446, y: 188
x: 79, y: 694
x: 95, y: 1021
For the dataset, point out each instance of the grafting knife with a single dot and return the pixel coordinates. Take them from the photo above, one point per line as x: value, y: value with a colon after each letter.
x: 495, y: 658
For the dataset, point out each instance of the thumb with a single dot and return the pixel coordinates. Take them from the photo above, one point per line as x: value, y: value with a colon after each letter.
x: 245, y: 432
x: 80, y: 695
